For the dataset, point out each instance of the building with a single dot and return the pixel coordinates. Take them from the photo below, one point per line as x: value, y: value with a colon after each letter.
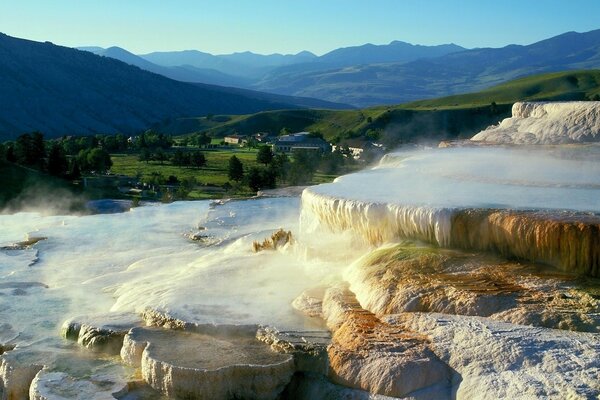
x: 358, y: 149
x: 300, y: 141
x: 235, y: 139
x: 262, y: 137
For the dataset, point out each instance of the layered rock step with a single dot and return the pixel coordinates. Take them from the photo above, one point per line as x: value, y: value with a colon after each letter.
x: 392, y: 348
x: 371, y: 355
x: 196, y: 364
x: 569, y: 241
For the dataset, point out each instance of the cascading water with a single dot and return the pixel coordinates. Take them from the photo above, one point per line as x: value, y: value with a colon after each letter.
x: 521, y: 203
x: 188, y: 261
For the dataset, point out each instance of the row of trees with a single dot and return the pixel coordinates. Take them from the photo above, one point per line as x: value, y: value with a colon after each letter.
x: 298, y: 170
x: 31, y: 150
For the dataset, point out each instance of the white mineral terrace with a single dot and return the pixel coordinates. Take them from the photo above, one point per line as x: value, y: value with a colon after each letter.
x: 76, y: 291
x: 547, y: 123
x: 471, y: 198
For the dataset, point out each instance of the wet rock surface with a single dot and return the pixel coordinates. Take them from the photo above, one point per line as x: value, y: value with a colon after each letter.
x: 59, y: 385
x: 308, y: 348
x: 369, y: 354
x: 500, y: 360
x: 23, y: 245
x: 17, y: 370
x: 409, y: 278
x: 193, y: 364
x: 102, y: 333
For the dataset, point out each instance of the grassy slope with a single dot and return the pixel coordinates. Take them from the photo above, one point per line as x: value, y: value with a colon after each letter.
x: 211, y: 177
x: 569, y: 85
x: 214, y: 173
x: 453, y: 116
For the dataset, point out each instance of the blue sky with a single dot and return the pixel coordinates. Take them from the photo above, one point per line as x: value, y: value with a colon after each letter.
x: 289, y: 26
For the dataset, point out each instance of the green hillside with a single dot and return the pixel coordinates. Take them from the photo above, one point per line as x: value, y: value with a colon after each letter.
x: 444, y: 118
x: 568, y: 85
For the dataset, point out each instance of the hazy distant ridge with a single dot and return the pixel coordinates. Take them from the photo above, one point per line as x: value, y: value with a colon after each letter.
x: 389, y: 74
x: 62, y: 91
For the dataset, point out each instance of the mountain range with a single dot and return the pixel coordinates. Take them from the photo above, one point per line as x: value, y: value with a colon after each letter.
x: 63, y: 91
x: 371, y: 75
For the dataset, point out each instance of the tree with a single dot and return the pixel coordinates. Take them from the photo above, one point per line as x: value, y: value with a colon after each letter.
x: 94, y: 160
x: 38, y: 150
x: 144, y: 155
x: 372, y: 135
x: 281, y: 166
x: 304, y: 166
x: 264, y: 155
x: 197, y: 159
x: 236, y: 169
x: 10, y: 153
x: 179, y: 158
x: 332, y: 162
x: 203, y: 140
x: 254, y: 179
x: 74, y: 171
x: 57, y: 160
x: 493, y: 107
x: 160, y: 155
x: 23, y: 149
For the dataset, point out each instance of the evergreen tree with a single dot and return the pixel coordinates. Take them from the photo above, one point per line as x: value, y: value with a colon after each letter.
x: 57, y: 161
x: 74, y: 171
x: 236, y: 169
x: 10, y: 153
x: 30, y: 150
x: 254, y: 178
x: 197, y: 159
x: 203, y: 139
x: 281, y: 164
x: 144, y: 155
x: 160, y: 155
x: 264, y: 155
x: 179, y: 158
x: 23, y: 146
x: 38, y: 150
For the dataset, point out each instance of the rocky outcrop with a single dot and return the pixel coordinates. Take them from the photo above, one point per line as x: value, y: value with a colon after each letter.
x: 25, y: 244
x: 308, y: 348
x: 191, y: 364
x: 278, y: 239
x: 547, y: 123
x: 369, y: 354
